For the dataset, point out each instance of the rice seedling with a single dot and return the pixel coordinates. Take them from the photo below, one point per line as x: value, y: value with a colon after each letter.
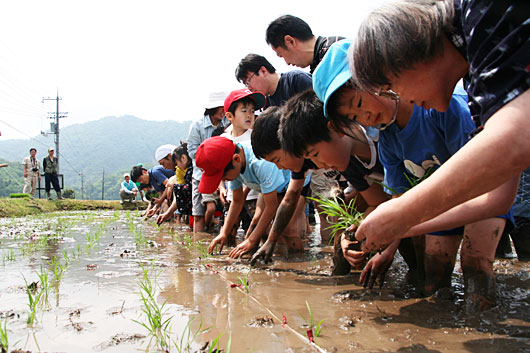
x: 189, y: 336
x: 9, y: 256
x: 4, y: 342
x: 45, y: 285
x: 58, y: 269
x: 244, y: 282
x: 311, y: 324
x: 345, y: 214
x: 158, y: 325
x: 34, y: 297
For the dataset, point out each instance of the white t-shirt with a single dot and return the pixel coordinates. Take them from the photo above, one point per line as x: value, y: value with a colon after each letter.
x: 252, y: 195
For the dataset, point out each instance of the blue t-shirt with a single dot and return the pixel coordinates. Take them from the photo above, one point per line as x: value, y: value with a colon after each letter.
x: 290, y: 83
x: 429, y: 139
x: 157, y: 175
x: 260, y: 175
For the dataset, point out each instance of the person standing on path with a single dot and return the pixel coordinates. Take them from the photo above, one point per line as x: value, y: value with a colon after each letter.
x: 32, y: 168
x: 50, y: 165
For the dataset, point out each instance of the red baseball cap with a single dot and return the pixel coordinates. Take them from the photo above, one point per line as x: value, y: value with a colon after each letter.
x: 259, y: 98
x: 212, y: 157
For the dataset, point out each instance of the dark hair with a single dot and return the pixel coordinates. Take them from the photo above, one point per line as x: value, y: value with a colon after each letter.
x: 287, y: 25
x: 32, y: 149
x: 211, y: 111
x: 230, y: 165
x: 180, y: 151
x: 243, y: 101
x: 252, y: 63
x: 264, y: 137
x: 303, y: 123
x: 340, y: 122
x: 136, y: 172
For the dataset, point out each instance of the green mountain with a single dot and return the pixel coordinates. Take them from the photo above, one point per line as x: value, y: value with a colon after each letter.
x: 93, y: 152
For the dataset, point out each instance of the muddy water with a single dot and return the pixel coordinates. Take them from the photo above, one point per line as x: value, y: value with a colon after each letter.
x: 93, y: 306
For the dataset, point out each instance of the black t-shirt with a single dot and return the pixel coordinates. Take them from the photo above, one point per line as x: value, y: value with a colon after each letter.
x: 494, y: 37
x: 308, y: 165
x: 290, y: 83
x: 356, y: 173
x: 321, y: 47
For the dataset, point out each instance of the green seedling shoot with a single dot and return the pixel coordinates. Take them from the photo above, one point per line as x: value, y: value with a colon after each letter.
x: 188, y: 336
x: 244, y: 282
x: 34, y: 297
x: 345, y: 215
x: 311, y: 324
x: 158, y: 325
x: 4, y: 342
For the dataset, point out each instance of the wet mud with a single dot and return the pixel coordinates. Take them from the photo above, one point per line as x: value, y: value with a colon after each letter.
x: 97, y: 262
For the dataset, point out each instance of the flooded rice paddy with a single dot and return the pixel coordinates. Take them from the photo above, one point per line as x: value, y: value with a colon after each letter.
x: 112, y: 282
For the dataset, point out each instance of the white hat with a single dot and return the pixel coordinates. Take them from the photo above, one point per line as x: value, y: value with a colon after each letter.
x: 51, y: 149
x: 163, y: 151
x: 126, y: 175
x: 216, y: 99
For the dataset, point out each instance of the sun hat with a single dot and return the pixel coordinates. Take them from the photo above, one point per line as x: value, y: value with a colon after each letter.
x: 332, y: 72
x: 163, y: 151
x: 216, y: 99
x: 212, y: 157
x: 258, y: 97
x: 126, y: 175
x: 51, y: 149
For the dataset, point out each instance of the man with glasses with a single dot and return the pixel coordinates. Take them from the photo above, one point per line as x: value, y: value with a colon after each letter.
x: 258, y: 74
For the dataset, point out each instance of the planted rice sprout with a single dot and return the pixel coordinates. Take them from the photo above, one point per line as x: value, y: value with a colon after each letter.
x: 345, y: 214
x: 45, y: 285
x: 58, y: 269
x: 34, y: 297
x: 4, y: 342
x: 157, y: 324
x: 311, y: 324
x: 188, y: 336
x: 244, y: 282
x: 214, y: 347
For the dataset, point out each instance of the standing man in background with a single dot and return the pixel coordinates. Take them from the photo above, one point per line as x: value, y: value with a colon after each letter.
x: 50, y: 165
x: 31, y: 167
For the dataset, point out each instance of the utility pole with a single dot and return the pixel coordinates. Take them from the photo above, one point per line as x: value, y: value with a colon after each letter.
x: 82, y: 186
x: 103, y: 186
x: 54, y: 127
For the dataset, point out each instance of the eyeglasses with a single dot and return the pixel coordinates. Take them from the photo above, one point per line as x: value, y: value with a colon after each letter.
x: 247, y: 81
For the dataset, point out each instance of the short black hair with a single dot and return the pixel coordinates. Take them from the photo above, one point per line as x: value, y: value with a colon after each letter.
x: 252, y: 63
x: 264, y: 137
x: 340, y: 122
x: 136, y: 172
x: 243, y: 101
x: 32, y: 149
x: 287, y: 25
x: 211, y: 111
x: 303, y: 123
x: 230, y: 165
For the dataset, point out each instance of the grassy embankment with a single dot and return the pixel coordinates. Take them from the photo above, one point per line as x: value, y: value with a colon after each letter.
x: 16, y: 207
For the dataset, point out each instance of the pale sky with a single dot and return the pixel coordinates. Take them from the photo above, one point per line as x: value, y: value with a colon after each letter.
x: 157, y: 60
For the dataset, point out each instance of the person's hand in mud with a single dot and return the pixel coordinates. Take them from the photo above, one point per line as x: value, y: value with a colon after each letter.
x: 162, y: 217
x: 151, y: 212
x: 356, y: 258
x: 382, y: 226
x: 264, y: 252
x: 220, y: 240
x: 247, y: 245
x: 377, y: 266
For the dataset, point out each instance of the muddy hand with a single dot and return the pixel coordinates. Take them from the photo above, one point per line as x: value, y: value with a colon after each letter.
x: 376, y: 268
x: 218, y: 240
x: 264, y: 253
x: 388, y: 222
x: 352, y: 251
x: 243, y: 248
